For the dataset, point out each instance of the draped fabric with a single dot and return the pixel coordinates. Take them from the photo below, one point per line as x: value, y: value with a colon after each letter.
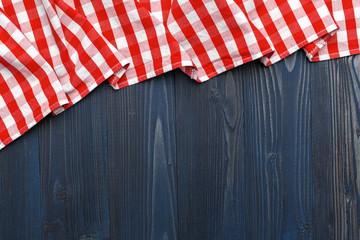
x: 54, y: 52
x: 345, y: 41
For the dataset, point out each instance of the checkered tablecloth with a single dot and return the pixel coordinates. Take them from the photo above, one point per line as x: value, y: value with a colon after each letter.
x: 54, y: 52
x: 345, y: 41
x: 51, y: 57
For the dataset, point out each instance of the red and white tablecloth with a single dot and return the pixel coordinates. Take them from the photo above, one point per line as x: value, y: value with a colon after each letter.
x: 54, y: 52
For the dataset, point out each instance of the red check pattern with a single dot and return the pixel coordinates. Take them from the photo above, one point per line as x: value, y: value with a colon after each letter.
x: 202, y: 48
x: 29, y: 88
x: 217, y: 35
x: 80, y: 57
x: 48, y: 49
x: 346, y: 41
x: 54, y: 52
x: 159, y: 8
x: 289, y: 24
x: 138, y: 35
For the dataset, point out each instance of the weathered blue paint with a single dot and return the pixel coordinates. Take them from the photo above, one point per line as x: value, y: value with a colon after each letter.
x: 20, y: 208
x: 255, y: 153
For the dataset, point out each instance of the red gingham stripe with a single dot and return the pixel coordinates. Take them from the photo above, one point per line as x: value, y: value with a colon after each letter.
x: 97, y: 58
x: 29, y: 89
x: 289, y: 25
x: 65, y: 39
x: 4, y: 133
x: 37, y: 29
x: 25, y: 88
x: 160, y: 9
x: 351, y: 25
x: 54, y: 52
x: 50, y: 58
x: 22, y: 55
x: 344, y: 42
x: 215, y: 34
x: 188, y: 31
x: 137, y: 35
x: 11, y: 104
x: 133, y: 29
x: 132, y: 43
x: 153, y: 41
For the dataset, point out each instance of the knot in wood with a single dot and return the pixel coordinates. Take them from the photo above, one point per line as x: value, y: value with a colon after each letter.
x: 272, y: 156
x: 305, y: 227
x: 358, y: 133
x: 216, y: 96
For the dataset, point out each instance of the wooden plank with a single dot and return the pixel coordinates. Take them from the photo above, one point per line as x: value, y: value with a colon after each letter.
x: 263, y: 143
x: 294, y: 169
x: 335, y: 134
x: 141, y: 150
x: 278, y: 148
x: 243, y: 152
x: 20, y: 214
x: 73, y: 157
x: 210, y: 140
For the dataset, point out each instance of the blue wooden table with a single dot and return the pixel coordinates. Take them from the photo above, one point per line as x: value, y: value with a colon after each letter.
x: 255, y: 153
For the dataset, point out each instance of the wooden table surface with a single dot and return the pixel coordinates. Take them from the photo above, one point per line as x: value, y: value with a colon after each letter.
x: 254, y: 153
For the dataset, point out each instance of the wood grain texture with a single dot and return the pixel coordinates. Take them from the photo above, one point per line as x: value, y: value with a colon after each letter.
x: 255, y: 153
x: 74, y: 172
x: 209, y: 127
x: 278, y: 144
x: 335, y: 115
x: 254, y: 133
x: 141, y: 151
x: 20, y: 208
